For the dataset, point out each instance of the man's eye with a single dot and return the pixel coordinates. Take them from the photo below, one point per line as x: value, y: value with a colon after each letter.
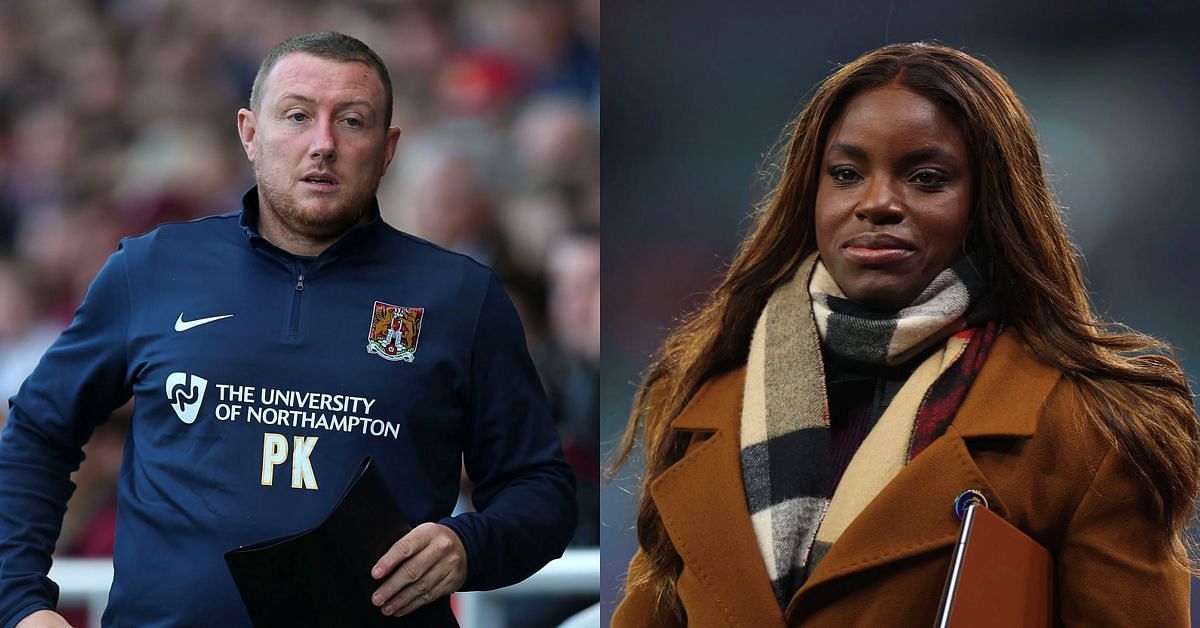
x: 353, y: 122
x: 297, y: 117
x: 843, y: 174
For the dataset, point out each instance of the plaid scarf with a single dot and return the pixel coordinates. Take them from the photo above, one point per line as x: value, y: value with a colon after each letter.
x: 785, y: 438
x: 863, y: 335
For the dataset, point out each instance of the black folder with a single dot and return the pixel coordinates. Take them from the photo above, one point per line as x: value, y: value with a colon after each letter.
x: 322, y: 577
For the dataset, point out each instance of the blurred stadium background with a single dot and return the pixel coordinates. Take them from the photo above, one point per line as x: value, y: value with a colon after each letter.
x: 698, y: 93
x: 116, y: 115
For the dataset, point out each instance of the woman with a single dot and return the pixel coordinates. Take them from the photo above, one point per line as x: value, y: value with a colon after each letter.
x: 906, y: 322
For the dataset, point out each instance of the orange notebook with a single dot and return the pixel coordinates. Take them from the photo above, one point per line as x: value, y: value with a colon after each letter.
x: 998, y: 577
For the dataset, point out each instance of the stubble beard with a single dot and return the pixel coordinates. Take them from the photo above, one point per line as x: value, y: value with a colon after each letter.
x: 309, y: 225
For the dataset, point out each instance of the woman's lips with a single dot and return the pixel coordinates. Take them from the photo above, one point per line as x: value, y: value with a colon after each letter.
x: 875, y: 248
x: 871, y: 256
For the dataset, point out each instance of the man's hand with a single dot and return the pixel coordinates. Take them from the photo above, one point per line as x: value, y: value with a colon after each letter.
x: 427, y: 563
x: 43, y: 619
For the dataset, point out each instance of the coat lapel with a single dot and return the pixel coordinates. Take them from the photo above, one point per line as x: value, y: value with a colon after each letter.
x: 915, y: 512
x: 703, y: 505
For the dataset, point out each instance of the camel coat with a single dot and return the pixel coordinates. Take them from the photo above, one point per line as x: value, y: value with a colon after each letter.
x: 1018, y: 437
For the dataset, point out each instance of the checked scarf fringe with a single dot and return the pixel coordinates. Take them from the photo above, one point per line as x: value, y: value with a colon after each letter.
x: 785, y: 438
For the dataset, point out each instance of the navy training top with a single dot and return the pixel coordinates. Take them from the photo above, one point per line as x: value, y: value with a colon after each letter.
x: 261, y: 380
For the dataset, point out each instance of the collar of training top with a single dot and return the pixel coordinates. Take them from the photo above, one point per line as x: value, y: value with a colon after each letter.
x: 249, y: 224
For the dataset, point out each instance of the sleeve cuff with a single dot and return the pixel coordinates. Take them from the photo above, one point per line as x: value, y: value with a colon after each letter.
x: 473, y: 558
x: 26, y: 612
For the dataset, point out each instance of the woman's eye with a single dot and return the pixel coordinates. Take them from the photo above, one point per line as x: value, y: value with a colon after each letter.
x: 843, y: 174
x: 929, y: 178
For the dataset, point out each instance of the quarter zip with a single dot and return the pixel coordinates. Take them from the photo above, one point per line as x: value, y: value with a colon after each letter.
x: 293, y: 330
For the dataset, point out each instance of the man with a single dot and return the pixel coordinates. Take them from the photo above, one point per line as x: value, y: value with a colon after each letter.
x: 248, y: 340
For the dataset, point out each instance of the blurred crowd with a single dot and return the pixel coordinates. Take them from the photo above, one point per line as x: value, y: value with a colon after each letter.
x: 117, y: 115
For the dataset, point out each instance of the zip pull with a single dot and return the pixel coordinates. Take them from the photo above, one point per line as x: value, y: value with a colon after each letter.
x: 300, y: 283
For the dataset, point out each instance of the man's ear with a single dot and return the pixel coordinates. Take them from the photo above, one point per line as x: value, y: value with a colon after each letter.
x: 246, y: 129
x: 389, y: 149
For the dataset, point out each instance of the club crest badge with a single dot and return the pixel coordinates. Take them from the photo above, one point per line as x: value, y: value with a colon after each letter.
x: 394, y: 331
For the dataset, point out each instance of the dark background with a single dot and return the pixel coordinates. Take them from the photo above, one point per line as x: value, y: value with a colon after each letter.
x: 697, y: 93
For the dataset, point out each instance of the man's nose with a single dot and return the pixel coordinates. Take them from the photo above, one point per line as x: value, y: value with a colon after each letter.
x: 323, y: 144
x: 881, y: 203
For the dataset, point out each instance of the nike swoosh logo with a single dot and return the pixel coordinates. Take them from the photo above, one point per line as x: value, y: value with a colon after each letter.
x: 182, y: 325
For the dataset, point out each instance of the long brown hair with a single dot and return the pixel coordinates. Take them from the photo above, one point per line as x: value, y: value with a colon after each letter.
x: 1040, y: 291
